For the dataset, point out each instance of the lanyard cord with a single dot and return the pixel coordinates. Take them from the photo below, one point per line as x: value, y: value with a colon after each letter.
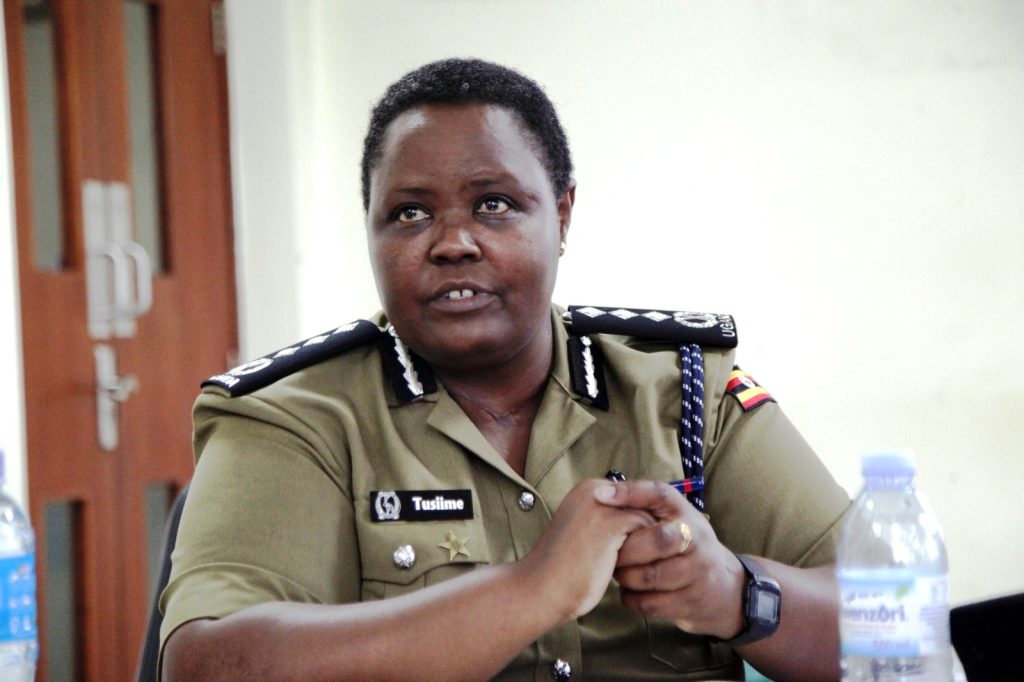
x: 691, y: 428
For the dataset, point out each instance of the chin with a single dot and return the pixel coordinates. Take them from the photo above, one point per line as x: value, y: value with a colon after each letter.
x: 470, y: 353
x: 474, y: 344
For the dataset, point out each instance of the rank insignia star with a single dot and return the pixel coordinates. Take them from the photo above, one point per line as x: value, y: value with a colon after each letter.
x: 455, y: 545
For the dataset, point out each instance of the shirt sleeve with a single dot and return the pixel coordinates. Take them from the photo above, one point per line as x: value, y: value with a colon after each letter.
x: 268, y: 516
x: 768, y: 493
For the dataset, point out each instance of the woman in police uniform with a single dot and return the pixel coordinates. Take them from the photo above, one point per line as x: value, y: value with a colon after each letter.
x: 425, y: 494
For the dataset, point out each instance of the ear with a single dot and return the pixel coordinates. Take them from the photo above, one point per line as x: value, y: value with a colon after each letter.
x: 565, y: 204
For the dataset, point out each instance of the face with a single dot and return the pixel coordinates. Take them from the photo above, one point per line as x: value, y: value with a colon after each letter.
x: 464, y: 233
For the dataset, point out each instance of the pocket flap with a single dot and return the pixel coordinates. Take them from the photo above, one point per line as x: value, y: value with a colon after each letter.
x: 433, y: 544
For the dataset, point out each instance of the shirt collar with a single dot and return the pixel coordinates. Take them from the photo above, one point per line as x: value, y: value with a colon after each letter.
x: 411, y: 379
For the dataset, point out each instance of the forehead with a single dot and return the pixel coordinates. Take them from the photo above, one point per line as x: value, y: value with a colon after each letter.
x: 462, y: 137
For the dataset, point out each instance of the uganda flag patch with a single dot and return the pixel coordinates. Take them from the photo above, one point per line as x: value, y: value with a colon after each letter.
x: 747, y: 391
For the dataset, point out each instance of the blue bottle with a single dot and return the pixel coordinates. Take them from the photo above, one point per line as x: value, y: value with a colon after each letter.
x: 19, y: 643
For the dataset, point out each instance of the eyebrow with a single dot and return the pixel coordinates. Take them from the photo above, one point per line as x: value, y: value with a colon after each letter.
x: 472, y: 184
x: 476, y: 184
x: 418, y: 191
x: 487, y: 182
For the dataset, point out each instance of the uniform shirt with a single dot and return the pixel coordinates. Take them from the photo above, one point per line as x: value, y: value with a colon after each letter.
x: 279, y: 508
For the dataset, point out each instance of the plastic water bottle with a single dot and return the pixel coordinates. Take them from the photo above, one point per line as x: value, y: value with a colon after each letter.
x: 893, y: 578
x: 19, y: 643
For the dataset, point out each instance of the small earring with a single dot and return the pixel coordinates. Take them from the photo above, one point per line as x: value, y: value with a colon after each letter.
x: 561, y: 249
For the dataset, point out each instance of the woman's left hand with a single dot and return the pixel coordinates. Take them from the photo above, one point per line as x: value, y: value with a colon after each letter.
x: 677, y: 569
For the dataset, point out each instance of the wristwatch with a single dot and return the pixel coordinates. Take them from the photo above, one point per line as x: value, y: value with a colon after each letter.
x: 762, y: 603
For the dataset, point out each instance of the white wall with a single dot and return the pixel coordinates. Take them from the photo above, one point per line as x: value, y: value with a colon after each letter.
x: 12, y: 408
x: 844, y: 178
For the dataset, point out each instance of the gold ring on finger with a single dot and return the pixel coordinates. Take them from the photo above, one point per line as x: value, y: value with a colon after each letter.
x: 686, y: 537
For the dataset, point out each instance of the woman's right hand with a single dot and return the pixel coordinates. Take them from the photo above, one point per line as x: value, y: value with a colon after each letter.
x: 574, y: 558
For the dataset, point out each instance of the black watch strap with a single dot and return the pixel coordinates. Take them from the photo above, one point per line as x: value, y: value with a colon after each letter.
x: 762, y: 604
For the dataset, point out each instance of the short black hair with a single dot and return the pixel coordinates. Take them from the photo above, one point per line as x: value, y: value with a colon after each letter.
x: 461, y: 81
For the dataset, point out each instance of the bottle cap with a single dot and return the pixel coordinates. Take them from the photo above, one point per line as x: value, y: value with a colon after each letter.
x: 888, y: 463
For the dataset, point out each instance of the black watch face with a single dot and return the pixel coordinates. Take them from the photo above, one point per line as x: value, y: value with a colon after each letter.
x: 766, y: 606
x: 762, y: 604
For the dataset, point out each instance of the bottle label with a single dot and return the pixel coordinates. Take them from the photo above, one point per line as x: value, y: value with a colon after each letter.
x: 18, y: 597
x: 893, y: 613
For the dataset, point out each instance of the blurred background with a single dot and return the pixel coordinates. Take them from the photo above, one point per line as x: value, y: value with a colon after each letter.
x: 844, y: 178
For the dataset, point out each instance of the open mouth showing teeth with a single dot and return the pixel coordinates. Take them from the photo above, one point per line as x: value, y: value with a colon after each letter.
x: 464, y: 293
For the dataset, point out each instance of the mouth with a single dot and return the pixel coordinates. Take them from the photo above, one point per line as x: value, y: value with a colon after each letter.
x: 460, y: 297
x: 458, y: 289
x: 456, y: 294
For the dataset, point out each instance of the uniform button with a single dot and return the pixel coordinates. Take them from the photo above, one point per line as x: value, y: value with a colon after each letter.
x: 615, y: 475
x: 560, y: 670
x: 405, y: 556
x: 526, y: 500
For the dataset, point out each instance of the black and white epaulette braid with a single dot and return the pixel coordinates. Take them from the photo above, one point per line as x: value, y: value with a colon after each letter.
x: 707, y: 329
x: 264, y: 371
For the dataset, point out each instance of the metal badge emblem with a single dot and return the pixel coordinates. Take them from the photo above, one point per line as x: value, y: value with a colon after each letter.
x: 388, y: 506
x: 696, y: 320
x: 405, y: 557
x: 561, y: 670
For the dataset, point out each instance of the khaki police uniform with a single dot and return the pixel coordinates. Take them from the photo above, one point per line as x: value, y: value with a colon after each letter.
x: 289, y: 482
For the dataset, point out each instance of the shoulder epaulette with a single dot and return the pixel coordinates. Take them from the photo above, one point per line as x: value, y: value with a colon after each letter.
x: 270, y: 368
x: 687, y: 330
x: 705, y: 329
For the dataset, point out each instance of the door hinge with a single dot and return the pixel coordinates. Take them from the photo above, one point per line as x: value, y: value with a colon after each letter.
x: 219, y: 29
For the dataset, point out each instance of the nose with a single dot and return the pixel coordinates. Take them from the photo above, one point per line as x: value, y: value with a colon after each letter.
x: 454, y: 242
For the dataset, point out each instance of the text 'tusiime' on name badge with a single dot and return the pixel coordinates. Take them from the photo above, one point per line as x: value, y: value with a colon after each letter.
x: 421, y: 505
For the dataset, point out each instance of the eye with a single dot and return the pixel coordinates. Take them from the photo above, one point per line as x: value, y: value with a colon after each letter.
x: 410, y: 214
x: 493, y: 206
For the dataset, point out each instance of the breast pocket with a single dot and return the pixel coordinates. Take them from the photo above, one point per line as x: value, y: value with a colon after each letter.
x: 403, y: 556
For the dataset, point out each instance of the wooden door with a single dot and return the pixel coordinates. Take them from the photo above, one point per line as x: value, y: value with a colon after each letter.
x: 129, y: 95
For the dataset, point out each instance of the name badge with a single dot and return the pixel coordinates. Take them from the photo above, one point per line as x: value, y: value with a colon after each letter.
x: 421, y: 505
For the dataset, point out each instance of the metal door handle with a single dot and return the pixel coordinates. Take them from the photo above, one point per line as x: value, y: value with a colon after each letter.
x: 111, y: 390
x: 119, y: 389
x: 107, y: 292
x: 143, y: 280
x: 115, y: 298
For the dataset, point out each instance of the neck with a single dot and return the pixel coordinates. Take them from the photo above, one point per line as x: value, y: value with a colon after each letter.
x: 503, y: 411
x: 504, y: 382
x: 503, y: 400
x: 503, y: 391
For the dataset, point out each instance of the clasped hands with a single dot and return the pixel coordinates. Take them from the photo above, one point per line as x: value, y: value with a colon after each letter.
x: 662, y: 551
